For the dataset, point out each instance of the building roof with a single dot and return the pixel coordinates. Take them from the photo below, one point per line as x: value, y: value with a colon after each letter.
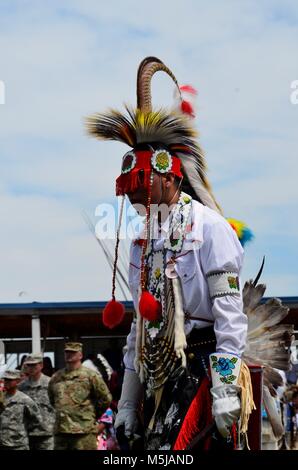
x: 56, y: 308
x: 82, y: 318
x: 78, y: 308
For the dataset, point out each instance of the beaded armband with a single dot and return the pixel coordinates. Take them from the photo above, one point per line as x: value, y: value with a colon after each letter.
x: 223, y: 283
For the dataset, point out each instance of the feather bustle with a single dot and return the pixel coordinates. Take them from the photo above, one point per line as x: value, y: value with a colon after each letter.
x: 252, y: 295
x: 268, y: 340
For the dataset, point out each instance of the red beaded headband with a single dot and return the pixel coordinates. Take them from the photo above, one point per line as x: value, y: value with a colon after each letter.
x: 159, y: 160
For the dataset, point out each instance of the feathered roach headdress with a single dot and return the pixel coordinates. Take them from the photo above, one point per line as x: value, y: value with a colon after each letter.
x: 171, y: 147
x: 171, y: 129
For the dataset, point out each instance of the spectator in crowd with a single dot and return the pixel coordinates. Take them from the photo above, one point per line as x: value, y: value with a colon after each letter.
x: 19, y: 415
x: 23, y: 373
x: 99, y: 364
x: 111, y: 377
x: 24, y: 357
x: 107, y: 436
x: 1, y: 392
x: 290, y: 400
x: 36, y: 387
x: 295, y: 401
x: 48, y: 368
x: 294, y: 429
x: 113, y: 354
x: 79, y: 396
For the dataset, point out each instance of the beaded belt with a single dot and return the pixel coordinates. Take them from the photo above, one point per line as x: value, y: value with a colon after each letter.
x: 200, y: 343
x: 201, y: 337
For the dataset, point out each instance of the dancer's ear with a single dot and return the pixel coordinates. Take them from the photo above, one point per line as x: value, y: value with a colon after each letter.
x: 170, y: 179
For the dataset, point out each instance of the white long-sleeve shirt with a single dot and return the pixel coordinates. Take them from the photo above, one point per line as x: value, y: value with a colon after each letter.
x: 212, y: 246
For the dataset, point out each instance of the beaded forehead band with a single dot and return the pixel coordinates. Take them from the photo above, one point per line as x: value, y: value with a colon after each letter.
x: 134, y: 161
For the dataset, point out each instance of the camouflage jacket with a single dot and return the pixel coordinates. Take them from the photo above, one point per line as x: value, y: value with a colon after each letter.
x: 19, y: 417
x: 38, y: 391
x: 79, y: 398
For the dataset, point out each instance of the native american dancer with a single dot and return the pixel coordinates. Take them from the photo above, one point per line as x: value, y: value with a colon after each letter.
x: 185, y: 351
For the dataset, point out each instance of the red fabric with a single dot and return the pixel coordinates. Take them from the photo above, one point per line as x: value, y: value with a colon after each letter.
x: 129, y: 182
x: 140, y: 242
x: 149, y: 307
x: 113, y: 314
x: 198, y: 416
x: 234, y: 434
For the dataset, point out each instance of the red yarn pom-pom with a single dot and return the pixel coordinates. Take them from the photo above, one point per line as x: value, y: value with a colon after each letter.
x: 113, y: 314
x: 149, y: 307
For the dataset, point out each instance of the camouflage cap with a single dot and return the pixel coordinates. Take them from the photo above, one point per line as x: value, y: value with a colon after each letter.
x: 12, y: 374
x: 34, y: 359
x: 75, y: 347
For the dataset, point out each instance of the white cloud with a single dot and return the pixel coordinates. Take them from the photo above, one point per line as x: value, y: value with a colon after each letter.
x: 48, y: 252
x: 60, y: 62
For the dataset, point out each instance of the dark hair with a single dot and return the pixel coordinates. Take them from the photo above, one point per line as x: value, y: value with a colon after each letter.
x: 187, y: 188
x: 152, y: 145
x: 23, y: 359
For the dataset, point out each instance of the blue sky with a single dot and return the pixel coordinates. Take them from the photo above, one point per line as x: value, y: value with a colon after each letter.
x: 62, y: 60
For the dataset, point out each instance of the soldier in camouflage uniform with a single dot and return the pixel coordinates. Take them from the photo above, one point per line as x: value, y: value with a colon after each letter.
x: 19, y: 415
x: 36, y: 387
x: 79, y: 396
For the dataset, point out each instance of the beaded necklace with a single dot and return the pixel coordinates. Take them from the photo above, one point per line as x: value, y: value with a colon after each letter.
x: 157, y: 358
x: 156, y: 263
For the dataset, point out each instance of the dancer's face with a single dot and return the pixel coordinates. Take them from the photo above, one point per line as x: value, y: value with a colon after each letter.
x: 163, y: 188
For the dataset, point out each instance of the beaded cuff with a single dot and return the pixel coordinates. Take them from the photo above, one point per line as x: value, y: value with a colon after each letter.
x: 225, y: 369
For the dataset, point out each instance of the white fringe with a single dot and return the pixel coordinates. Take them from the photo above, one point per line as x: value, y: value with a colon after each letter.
x: 180, y: 338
